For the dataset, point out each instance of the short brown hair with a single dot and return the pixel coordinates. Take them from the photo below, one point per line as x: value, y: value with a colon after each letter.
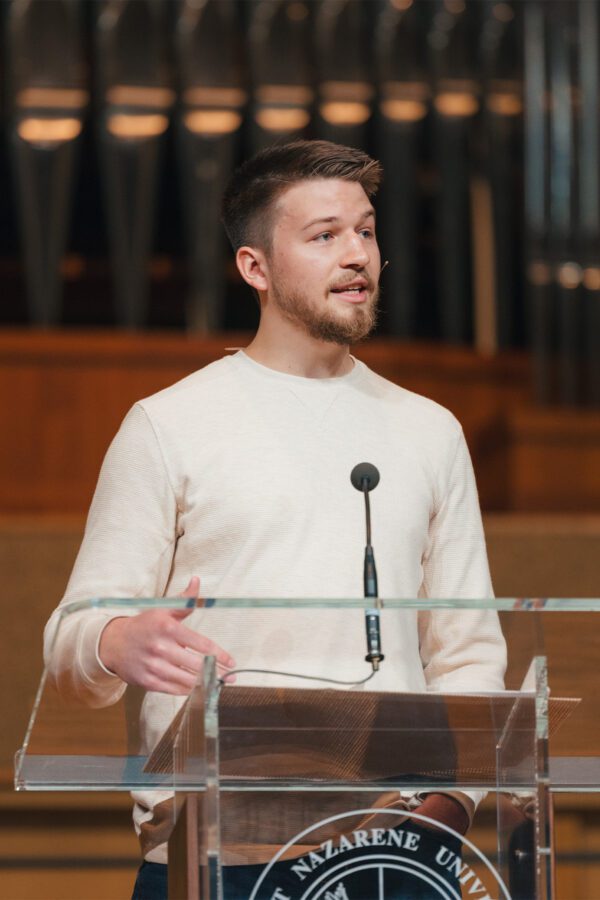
x: 253, y: 188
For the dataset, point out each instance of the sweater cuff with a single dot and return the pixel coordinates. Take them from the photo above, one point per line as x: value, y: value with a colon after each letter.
x: 91, y: 666
x: 98, y: 639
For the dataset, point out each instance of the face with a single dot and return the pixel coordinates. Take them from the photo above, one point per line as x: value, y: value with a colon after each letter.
x: 324, y: 262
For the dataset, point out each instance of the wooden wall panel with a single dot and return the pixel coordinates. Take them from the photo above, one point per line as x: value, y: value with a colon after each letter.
x: 554, y: 459
x: 66, y: 846
x: 63, y: 395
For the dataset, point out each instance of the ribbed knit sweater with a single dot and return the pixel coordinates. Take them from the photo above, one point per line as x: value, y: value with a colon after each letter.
x: 241, y: 474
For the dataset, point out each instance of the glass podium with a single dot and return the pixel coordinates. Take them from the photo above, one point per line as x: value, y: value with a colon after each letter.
x: 282, y: 784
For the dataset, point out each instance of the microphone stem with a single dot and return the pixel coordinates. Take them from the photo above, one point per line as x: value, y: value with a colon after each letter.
x: 374, y: 653
x: 370, y: 576
x: 367, y: 509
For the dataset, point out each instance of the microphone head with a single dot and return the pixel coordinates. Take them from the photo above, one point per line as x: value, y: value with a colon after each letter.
x: 364, y: 471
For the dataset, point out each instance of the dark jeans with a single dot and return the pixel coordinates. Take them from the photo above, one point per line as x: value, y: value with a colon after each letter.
x: 151, y: 882
x: 239, y: 881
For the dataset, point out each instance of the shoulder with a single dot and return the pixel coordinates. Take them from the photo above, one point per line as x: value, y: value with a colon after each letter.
x: 192, y: 399
x: 218, y: 377
x: 183, y: 407
x: 419, y: 413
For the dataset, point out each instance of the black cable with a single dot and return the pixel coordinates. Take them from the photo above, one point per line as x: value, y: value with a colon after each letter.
x: 296, y: 675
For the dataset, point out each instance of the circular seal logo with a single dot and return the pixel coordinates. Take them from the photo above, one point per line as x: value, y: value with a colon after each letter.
x: 389, y: 855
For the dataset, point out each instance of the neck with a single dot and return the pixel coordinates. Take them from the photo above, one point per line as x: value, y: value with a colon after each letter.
x: 286, y: 347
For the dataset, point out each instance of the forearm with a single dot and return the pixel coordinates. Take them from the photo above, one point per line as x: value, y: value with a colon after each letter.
x: 71, y: 657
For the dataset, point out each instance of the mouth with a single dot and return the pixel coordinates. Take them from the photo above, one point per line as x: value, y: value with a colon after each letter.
x: 353, y: 292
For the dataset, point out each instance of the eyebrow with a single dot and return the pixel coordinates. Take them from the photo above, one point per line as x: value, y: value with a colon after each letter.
x: 330, y: 219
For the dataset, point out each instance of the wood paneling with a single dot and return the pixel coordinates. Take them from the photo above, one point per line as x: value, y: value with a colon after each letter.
x: 544, y: 555
x: 66, y: 846
x: 554, y: 459
x: 64, y: 395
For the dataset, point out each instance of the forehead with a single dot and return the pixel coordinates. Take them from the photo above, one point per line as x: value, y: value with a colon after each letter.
x: 320, y: 198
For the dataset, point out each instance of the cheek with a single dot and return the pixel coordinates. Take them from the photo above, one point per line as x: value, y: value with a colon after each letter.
x: 303, y: 273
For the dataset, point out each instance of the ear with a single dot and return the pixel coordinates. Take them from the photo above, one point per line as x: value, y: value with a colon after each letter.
x: 252, y: 266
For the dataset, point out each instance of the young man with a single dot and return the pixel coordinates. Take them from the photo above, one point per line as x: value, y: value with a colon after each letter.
x: 239, y: 475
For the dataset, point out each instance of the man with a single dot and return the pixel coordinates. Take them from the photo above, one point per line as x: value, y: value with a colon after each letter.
x: 239, y: 474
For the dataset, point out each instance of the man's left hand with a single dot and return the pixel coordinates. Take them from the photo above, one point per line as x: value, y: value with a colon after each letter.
x: 445, y: 810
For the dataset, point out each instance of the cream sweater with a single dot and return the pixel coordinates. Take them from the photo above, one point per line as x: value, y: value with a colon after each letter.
x: 241, y: 475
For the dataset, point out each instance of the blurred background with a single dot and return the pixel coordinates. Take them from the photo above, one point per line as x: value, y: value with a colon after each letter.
x: 120, y: 121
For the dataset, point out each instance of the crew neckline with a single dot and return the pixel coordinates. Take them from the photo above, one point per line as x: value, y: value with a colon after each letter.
x: 242, y: 358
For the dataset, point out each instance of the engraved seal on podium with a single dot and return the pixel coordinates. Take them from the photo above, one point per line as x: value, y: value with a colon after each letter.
x: 392, y: 854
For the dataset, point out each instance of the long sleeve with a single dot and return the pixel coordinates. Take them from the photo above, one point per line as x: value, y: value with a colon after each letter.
x: 127, y: 551
x: 461, y: 650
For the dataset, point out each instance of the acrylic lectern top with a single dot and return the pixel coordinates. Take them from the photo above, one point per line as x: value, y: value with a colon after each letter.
x: 295, y: 726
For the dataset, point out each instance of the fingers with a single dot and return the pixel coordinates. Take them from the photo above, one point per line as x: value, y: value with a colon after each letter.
x: 165, y: 678
x: 200, y: 644
x: 192, y: 591
x: 193, y: 588
x: 168, y: 677
x: 180, y: 651
x: 157, y: 651
x: 188, y: 659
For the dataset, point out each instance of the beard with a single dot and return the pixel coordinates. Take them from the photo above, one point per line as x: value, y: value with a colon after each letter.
x: 328, y: 323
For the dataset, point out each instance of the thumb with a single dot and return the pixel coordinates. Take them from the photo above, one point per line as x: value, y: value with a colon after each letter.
x: 192, y: 591
x: 193, y: 588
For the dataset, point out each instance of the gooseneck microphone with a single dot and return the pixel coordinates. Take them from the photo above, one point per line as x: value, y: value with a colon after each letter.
x: 365, y: 477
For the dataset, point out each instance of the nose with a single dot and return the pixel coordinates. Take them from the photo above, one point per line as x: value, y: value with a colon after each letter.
x: 356, y: 252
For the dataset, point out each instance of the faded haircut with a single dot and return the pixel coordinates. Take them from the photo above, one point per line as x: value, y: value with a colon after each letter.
x: 253, y: 189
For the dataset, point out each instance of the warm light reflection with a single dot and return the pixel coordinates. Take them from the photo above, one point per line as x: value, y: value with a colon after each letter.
x: 132, y: 126
x: 569, y: 275
x: 456, y: 7
x: 51, y: 98
x: 403, y: 110
x: 591, y: 278
x: 72, y: 267
x: 504, y: 104
x: 405, y: 90
x: 296, y: 12
x: 293, y: 94
x: 48, y: 131
x: 351, y: 91
x: 212, y: 121
x: 539, y: 273
x: 140, y: 95
x: 401, y: 4
x: 503, y: 12
x: 276, y: 118
x: 345, y: 113
x: 160, y: 268
x: 456, y: 104
x: 214, y: 96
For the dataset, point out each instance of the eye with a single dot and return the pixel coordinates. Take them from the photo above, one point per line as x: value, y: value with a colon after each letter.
x: 324, y: 237
x: 367, y: 232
